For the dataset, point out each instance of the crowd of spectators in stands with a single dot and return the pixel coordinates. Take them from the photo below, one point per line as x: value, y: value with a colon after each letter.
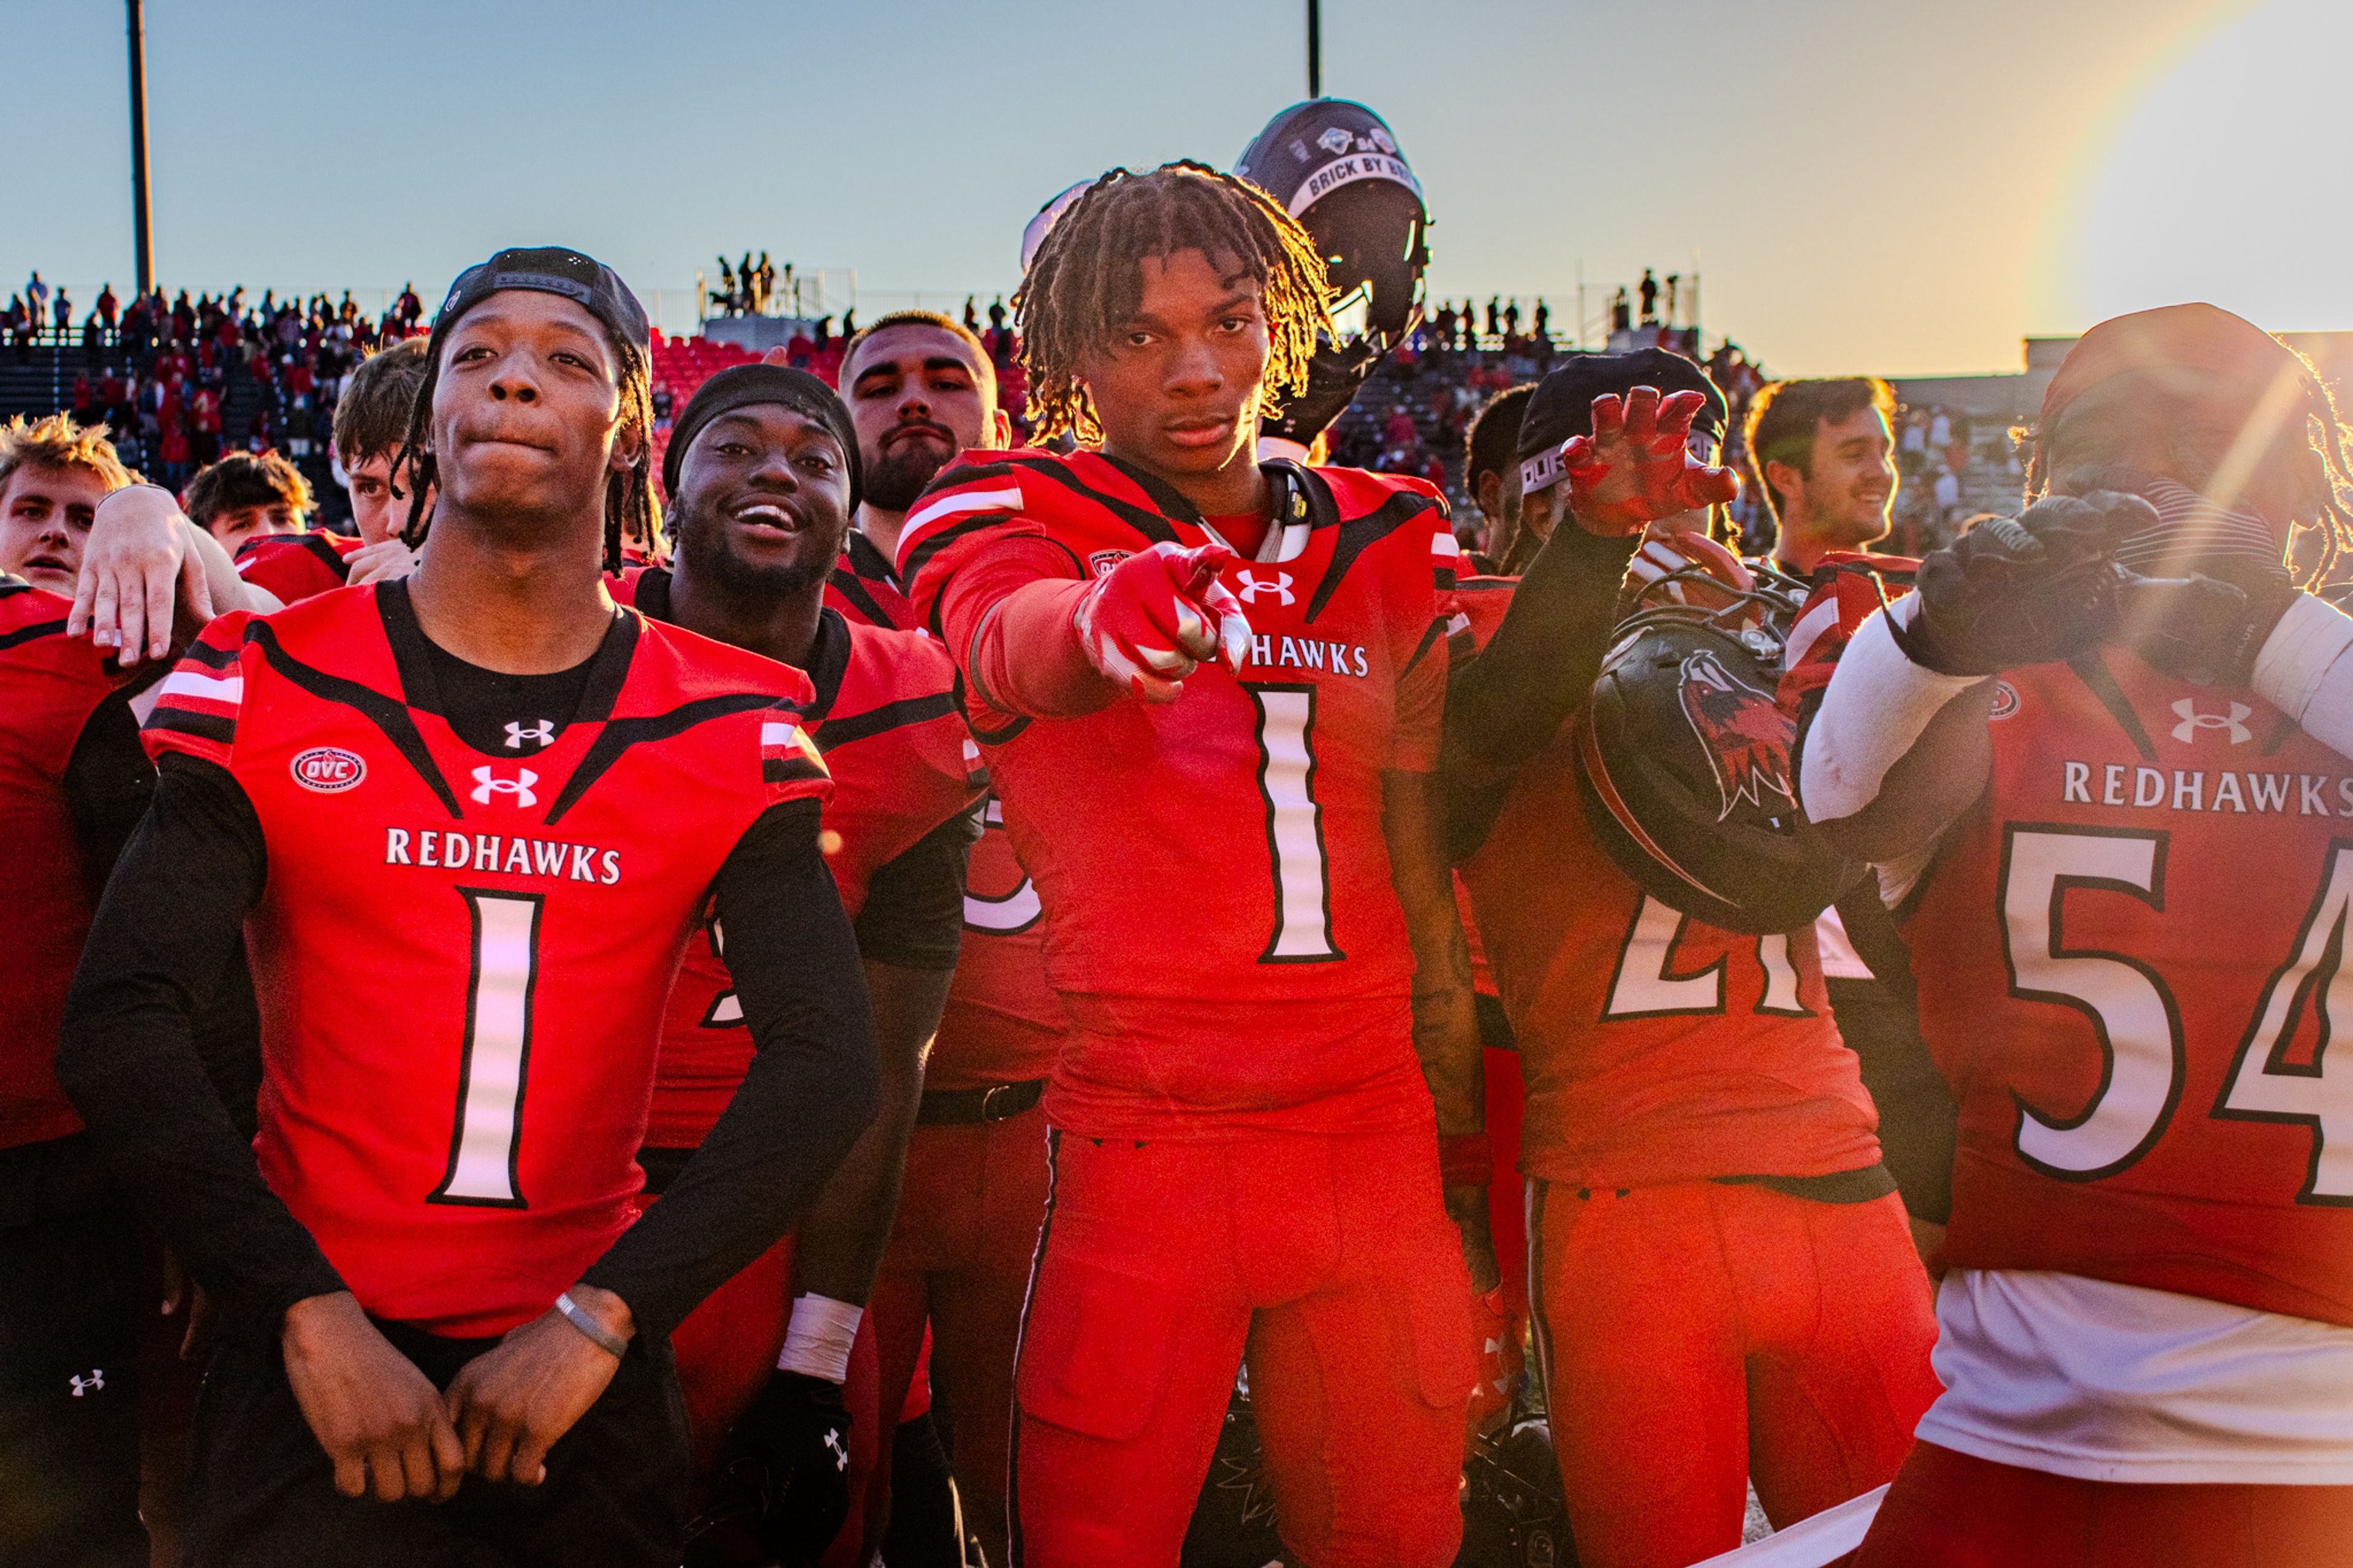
x: 164, y: 372
x: 170, y: 376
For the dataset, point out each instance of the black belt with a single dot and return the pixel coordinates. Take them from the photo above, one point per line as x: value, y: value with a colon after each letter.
x: 969, y: 1107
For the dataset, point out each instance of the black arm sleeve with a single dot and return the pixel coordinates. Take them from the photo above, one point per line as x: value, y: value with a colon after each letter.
x: 914, y: 916
x: 1506, y: 702
x: 109, y: 783
x: 165, y: 937
x: 1880, y: 1021
x: 811, y: 1091
x: 1506, y: 705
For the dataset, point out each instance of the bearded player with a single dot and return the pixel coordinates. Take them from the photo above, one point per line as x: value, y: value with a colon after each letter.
x: 920, y: 389
x: 763, y: 473
x: 1209, y: 691
x: 433, y: 1286
x: 2100, y: 753
x: 1723, y: 1283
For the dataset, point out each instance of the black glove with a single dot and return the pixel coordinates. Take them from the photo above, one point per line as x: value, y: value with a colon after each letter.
x: 791, y: 1451
x: 1334, y: 376
x: 2025, y: 590
x: 2208, y: 627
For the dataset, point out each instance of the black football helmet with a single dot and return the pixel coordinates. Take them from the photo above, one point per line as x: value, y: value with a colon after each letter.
x: 1685, y: 757
x: 1334, y: 166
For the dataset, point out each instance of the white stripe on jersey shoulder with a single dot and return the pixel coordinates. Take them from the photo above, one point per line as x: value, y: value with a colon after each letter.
x: 1005, y: 497
x: 779, y: 732
x: 1808, y: 631
x: 1443, y: 546
x: 184, y: 682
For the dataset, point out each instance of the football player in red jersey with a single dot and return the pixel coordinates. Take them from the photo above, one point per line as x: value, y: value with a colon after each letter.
x: 1724, y: 1282
x: 1248, y: 913
x: 920, y: 389
x: 426, y: 1257
x: 764, y: 473
x: 73, y: 1269
x: 2099, y: 753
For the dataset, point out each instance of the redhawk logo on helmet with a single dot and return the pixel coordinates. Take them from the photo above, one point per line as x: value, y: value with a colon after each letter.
x: 1745, y: 735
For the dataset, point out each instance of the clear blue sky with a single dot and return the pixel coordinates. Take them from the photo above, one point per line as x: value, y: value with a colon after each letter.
x: 1898, y: 187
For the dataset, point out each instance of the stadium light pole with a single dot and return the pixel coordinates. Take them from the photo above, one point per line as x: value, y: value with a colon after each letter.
x: 141, y: 243
x: 1314, y: 49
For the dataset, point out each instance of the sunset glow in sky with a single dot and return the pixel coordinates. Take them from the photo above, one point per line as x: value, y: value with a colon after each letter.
x: 1894, y: 187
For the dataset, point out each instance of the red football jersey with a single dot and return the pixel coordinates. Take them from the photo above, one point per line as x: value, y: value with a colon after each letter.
x: 1221, y: 921
x: 2130, y: 957
x: 1003, y: 1023
x: 883, y: 715
x: 50, y: 685
x: 296, y: 566
x: 864, y: 588
x: 1655, y: 1048
x: 461, y: 958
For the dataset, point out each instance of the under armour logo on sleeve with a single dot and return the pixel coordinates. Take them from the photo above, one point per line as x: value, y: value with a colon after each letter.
x: 90, y: 1384
x: 540, y: 734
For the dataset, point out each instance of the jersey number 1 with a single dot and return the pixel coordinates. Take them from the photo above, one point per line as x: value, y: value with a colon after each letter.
x: 1295, y: 826
x: 505, y: 966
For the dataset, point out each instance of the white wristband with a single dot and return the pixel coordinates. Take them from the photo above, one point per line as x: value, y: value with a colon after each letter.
x: 2296, y: 658
x: 817, y: 1340
x: 1876, y: 707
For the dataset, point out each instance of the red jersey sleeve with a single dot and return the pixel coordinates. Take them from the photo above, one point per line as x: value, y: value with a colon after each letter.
x: 297, y: 566
x: 790, y: 766
x: 198, y: 704
x: 1848, y: 586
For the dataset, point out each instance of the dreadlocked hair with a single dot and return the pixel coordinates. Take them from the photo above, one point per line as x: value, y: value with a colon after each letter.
x: 1087, y: 278
x: 2282, y: 448
x: 628, y: 494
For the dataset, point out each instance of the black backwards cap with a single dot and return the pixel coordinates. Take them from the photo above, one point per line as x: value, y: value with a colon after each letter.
x: 552, y: 269
x: 1562, y: 404
x: 742, y: 385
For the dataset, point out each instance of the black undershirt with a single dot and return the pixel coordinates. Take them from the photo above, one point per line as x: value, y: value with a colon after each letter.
x: 169, y: 929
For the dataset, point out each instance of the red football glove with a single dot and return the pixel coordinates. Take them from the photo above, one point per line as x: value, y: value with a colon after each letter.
x: 1501, y: 1359
x: 1637, y: 466
x: 1153, y: 619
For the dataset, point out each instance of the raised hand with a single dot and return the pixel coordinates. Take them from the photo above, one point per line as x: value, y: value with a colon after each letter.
x: 2025, y: 590
x: 1637, y: 466
x: 1158, y: 615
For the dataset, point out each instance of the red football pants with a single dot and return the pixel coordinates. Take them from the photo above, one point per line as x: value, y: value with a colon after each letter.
x: 1949, y: 1510
x: 1696, y: 1336
x: 960, y: 1256
x: 725, y: 1349
x: 1328, y: 1261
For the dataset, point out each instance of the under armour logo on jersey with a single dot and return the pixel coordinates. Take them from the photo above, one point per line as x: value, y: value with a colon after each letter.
x: 1279, y: 585
x: 541, y: 734
x: 90, y: 1384
x: 2193, y: 721
x: 841, y: 1454
x: 487, y: 786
